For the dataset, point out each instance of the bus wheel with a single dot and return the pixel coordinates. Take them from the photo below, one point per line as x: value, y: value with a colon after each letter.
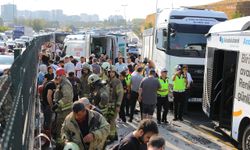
x: 246, y: 139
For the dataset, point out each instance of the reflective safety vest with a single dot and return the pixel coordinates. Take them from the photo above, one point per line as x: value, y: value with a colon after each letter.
x: 179, y: 84
x: 65, y: 106
x: 164, y: 86
x: 128, y: 79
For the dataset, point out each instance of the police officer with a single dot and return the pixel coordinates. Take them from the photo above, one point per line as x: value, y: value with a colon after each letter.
x: 162, y: 97
x: 116, y: 96
x: 84, y: 87
x: 63, y: 97
x: 128, y: 89
x: 179, y: 86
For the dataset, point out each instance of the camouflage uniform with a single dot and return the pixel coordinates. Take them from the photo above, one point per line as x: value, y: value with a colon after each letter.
x: 110, y: 113
x: 64, y: 97
x: 97, y: 125
x: 84, y: 87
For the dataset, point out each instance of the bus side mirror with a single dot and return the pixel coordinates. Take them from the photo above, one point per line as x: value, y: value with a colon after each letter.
x: 172, y: 32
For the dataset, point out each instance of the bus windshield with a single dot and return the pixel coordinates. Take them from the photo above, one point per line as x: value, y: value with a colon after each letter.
x: 188, y: 41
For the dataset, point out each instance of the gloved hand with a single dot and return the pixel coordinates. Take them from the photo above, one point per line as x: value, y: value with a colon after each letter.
x: 55, y: 106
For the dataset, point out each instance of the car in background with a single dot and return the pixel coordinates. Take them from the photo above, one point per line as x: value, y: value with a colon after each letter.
x: 3, y: 47
x: 20, y: 43
x: 5, y: 63
x: 26, y: 38
x: 11, y: 45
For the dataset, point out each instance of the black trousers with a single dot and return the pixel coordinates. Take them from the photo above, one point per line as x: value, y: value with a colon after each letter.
x: 179, y: 99
x: 133, y: 100
x: 162, y: 102
x: 122, y: 108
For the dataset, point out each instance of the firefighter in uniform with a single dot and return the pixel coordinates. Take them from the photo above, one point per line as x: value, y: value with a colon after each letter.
x: 99, y: 91
x: 105, y: 67
x: 113, y: 107
x: 162, y: 97
x: 179, y: 86
x: 84, y: 87
x: 63, y: 98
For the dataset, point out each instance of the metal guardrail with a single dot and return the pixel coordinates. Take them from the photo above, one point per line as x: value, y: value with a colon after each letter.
x: 18, y: 99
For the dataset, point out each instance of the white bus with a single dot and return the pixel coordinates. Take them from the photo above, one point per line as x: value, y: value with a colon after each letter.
x: 180, y: 39
x: 226, y: 96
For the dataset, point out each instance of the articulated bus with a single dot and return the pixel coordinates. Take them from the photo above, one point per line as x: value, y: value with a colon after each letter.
x: 226, y: 92
x: 180, y: 39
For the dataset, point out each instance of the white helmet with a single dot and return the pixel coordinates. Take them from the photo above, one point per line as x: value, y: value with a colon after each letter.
x: 71, y: 146
x: 86, y: 66
x: 112, y: 68
x: 93, y: 78
x: 105, y: 66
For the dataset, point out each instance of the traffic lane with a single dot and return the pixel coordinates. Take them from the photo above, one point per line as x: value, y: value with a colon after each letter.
x: 180, y: 135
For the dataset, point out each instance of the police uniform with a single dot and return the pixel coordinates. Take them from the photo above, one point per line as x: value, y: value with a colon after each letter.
x: 179, y: 86
x: 64, y: 97
x: 128, y: 83
x: 162, y: 100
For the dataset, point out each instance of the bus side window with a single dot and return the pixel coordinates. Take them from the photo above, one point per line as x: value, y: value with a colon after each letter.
x: 159, y: 39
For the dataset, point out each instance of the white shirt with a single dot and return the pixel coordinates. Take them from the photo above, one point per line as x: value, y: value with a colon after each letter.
x: 120, y: 67
x: 78, y: 69
x: 69, y: 67
x: 189, y: 79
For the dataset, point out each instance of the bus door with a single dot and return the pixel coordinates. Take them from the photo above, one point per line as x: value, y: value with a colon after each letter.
x: 227, y: 88
x: 223, y: 78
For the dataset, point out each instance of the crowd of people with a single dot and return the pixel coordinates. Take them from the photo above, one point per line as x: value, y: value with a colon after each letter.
x: 83, y: 99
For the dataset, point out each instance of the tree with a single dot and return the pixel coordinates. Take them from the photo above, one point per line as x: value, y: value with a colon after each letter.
x: 148, y: 25
x: 136, y: 26
x: 3, y: 28
x: 236, y: 15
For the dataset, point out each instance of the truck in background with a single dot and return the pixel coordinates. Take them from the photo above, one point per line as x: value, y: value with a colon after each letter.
x: 19, y: 31
x: 179, y: 38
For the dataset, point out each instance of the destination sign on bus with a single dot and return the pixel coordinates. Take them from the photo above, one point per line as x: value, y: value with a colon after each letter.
x: 200, y: 21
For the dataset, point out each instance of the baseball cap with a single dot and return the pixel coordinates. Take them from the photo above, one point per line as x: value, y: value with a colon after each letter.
x: 178, y: 67
x: 164, y: 70
x: 84, y: 100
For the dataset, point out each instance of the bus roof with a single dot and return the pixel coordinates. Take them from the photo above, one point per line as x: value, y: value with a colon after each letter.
x: 180, y: 13
x: 234, y: 25
x: 232, y: 35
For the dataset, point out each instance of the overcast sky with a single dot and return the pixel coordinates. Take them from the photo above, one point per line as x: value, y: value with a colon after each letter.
x: 104, y: 8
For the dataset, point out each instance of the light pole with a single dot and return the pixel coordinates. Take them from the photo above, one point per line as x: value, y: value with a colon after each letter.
x: 124, y: 8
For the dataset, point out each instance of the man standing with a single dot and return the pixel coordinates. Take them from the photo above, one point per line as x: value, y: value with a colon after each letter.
x: 78, y: 67
x: 84, y: 86
x: 68, y: 65
x: 120, y: 65
x: 96, y: 67
x: 140, y: 137
x: 162, y: 98
x: 63, y: 97
x: 48, y: 93
x: 148, y: 94
x: 86, y: 128
x: 116, y: 96
x: 136, y: 79
x: 180, y: 82
x: 187, y: 91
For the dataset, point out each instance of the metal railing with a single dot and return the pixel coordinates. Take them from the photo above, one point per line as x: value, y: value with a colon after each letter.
x: 18, y: 99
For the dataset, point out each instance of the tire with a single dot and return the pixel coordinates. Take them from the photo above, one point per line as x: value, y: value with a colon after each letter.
x: 246, y: 139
